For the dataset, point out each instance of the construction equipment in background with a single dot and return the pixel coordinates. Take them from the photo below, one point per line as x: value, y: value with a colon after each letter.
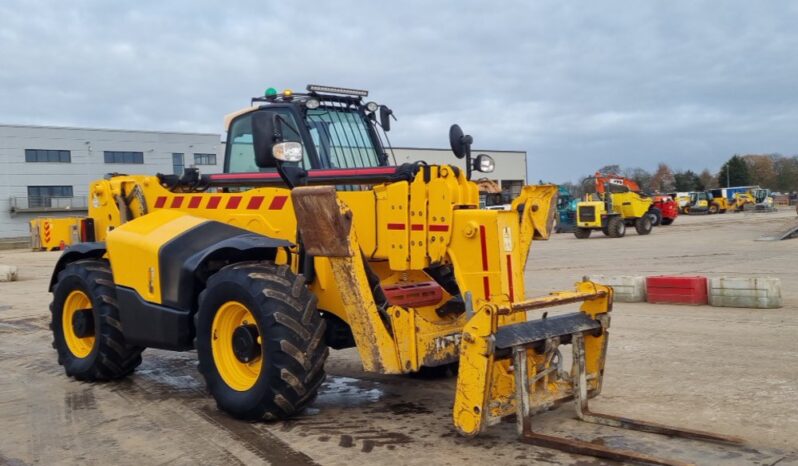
x: 54, y: 233
x: 661, y: 207
x: 682, y: 199
x: 611, y: 213
x: 322, y: 246
x: 714, y: 202
x: 566, y: 211
x: 757, y: 200
x: 665, y: 207
x: 490, y: 193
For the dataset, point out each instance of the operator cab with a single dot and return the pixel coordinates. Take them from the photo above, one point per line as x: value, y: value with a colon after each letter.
x: 333, y: 126
x: 696, y: 197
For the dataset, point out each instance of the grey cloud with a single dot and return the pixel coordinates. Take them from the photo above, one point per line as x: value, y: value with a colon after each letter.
x: 576, y: 84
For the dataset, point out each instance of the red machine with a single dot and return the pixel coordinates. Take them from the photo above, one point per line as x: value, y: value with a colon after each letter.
x: 668, y: 208
x: 664, y: 210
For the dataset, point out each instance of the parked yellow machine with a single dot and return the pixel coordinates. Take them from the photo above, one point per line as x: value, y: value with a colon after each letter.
x: 325, y: 246
x: 611, y: 213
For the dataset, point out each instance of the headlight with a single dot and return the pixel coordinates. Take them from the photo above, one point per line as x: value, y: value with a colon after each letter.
x: 372, y: 107
x: 312, y: 104
x: 287, y: 151
x: 484, y: 163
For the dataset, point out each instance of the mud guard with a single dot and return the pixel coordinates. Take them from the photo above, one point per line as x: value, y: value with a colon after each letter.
x: 74, y: 253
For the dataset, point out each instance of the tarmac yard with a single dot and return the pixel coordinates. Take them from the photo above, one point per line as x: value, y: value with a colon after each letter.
x: 727, y: 370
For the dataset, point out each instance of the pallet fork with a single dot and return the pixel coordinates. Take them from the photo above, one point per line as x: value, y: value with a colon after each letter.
x: 530, y: 351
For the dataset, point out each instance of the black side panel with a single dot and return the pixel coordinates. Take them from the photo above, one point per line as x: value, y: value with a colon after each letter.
x: 153, y: 325
x: 182, y: 258
x: 76, y: 252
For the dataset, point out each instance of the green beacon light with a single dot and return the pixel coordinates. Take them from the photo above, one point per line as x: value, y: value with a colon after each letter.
x: 270, y: 92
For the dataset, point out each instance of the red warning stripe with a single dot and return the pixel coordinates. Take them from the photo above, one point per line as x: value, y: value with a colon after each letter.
x: 439, y: 228
x: 160, y: 202
x: 277, y: 202
x: 396, y: 226
x: 255, y: 202
x: 484, y: 245
x: 194, y: 202
x: 233, y: 202
x: 214, y: 201
x: 510, y: 277
x: 177, y: 201
x: 417, y: 227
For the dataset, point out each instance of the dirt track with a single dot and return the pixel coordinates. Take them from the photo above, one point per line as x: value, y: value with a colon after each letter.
x: 729, y: 370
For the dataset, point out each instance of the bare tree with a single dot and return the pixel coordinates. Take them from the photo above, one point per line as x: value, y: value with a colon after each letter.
x: 708, y: 180
x: 663, y: 180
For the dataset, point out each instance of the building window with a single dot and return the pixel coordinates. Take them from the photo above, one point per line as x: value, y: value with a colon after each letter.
x: 48, y: 155
x: 204, y: 159
x: 112, y: 156
x: 42, y: 196
x: 178, y: 163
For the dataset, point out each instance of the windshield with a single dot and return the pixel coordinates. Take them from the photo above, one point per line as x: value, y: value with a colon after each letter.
x: 241, y: 155
x: 341, y: 138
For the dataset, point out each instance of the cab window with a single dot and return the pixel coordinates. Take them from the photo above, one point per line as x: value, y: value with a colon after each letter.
x: 240, y: 151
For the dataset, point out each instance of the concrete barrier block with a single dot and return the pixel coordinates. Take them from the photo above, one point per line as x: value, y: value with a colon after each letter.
x: 676, y: 289
x: 756, y: 293
x: 8, y: 273
x: 628, y: 288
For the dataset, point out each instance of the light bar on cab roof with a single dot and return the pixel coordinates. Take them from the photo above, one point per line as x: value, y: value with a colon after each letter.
x: 337, y: 90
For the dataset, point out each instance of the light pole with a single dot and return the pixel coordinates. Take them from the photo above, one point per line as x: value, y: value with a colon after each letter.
x: 728, y: 166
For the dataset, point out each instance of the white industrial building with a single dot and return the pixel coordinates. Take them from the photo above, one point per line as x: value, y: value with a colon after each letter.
x: 46, y: 170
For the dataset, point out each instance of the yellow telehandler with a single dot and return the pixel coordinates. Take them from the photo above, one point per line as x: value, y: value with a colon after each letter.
x: 311, y: 241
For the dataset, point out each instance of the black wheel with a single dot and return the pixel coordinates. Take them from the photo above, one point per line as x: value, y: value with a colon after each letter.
x: 643, y: 225
x: 714, y: 209
x: 582, y: 233
x: 87, y: 333
x: 605, y: 230
x: 556, y: 225
x: 656, y: 215
x: 666, y: 221
x: 260, y: 341
x: 616, y: 227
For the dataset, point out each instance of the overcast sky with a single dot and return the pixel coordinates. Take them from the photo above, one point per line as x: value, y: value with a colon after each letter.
x: 577, y: 85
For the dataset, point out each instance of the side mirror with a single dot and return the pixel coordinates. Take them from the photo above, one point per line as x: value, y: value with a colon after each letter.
x: 459, y: 142
x: 385, y: 117
x: 266, y: 131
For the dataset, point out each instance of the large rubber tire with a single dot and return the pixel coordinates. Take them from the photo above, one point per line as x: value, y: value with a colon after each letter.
x: 109, y: 357
x: 714, y: 208
x: 291, y: 333
x: 616, y: 227
x: 582, y: 233
x: 605, y: 230
x: 643, y: 225
x: 666, y: 221
x: 656, y: 215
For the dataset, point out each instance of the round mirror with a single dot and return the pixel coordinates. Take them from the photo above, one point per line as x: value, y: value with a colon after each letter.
x: 457, y: 140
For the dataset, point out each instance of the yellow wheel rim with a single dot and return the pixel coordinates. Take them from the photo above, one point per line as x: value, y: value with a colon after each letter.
x: 240, y: 376
x: 78, y: 346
